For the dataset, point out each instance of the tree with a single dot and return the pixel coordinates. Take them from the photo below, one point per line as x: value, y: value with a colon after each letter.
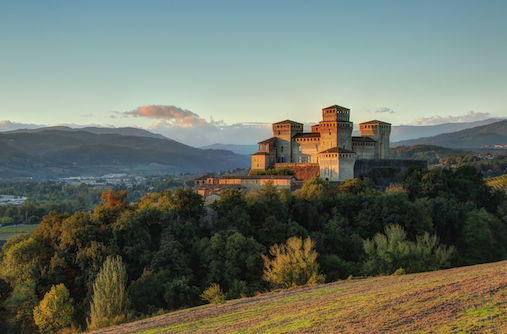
x: 292, y: 264
x: 110, y: 299
x: 55, y: 311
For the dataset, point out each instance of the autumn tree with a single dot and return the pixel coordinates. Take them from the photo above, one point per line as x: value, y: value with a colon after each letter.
x: 55, y: 311
x: 292, y: 264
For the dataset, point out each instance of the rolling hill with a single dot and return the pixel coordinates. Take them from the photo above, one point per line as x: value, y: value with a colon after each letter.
x: 460, y: 300
x: 52, y: 153
x: 491, y: 134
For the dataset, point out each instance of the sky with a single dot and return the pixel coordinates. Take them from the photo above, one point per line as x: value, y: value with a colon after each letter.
x: 202, y: 72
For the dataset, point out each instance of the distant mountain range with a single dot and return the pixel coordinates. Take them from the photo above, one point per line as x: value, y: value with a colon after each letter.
x: 61, y: 151
x: 128, y: 131
x: 405, y: 132
x: 477, y: 137
x: 398, y: 133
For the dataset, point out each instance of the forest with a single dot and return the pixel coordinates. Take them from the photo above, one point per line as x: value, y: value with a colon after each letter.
x: 173, y: 248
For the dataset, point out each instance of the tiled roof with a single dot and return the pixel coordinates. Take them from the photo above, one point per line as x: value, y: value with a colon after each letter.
x: 363, y: 139
x: 259, y: 177
x: 336, y: 107
x: 337, y: 150
x: 288, y: 121
x: 267, y: 140
x: 375, y: 122
x: 204, y: 177
x: 304, y: 135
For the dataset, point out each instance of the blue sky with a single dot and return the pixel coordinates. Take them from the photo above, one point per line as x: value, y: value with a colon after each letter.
x: 243, y: 62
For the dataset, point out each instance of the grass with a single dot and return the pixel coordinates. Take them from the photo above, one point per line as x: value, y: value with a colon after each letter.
x: 11, y: 231
x: 461, y: 300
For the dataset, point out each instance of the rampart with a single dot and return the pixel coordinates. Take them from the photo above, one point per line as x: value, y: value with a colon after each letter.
x: 302, y: 171
x: 384, y: 167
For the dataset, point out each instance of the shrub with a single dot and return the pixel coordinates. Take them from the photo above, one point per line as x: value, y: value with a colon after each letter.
x: 214, y: 294
x: 292, y: 264
x: 55, y: 311
x: 400, y: 271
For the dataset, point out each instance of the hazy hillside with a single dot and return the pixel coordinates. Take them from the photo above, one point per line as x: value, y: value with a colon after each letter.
x: 460, y: 300
x: 239, y: 149
x: 405, y: 132
x: 51, y: 153
x: 491, y: 134
x: 127, y: 131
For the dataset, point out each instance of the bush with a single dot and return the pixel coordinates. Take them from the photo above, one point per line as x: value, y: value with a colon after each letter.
x: 55, y: 311
x: 292, y: 264
x: 214, y: 294
x: 400, y: 271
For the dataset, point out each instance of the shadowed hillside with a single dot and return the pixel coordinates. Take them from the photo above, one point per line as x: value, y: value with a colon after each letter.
x: 491, y: 134
x: 58, y: 153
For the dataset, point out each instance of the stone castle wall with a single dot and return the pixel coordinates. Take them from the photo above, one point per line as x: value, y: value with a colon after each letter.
x: 367, y: 168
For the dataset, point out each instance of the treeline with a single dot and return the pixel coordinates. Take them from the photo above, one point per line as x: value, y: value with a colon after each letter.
x: 173, y: 250
x: 48, y: 196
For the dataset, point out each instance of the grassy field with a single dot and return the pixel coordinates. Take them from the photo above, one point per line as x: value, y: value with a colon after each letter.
x: 11, y: 231
x: 461, y: 300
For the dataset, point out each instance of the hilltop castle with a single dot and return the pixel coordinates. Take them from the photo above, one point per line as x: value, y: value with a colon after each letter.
x: 330, y: 146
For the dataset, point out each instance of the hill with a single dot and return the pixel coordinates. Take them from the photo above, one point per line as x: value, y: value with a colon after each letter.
x: 52, y: 153
x: 491, y: 134
x: 466, y: 299
x: 126, y: 131
x: 405, y: 132
x: 239, y: 149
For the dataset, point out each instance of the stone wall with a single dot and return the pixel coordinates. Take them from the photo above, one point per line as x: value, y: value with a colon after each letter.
x: 303, y: 171
x: 378, y: 167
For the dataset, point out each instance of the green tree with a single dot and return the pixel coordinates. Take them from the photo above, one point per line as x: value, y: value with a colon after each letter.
x: 55, y: 311
x: 110, y: 299
x: 292, y: 264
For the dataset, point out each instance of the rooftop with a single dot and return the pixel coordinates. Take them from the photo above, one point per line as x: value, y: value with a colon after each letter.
x: 304, y: 135
x: 337, y: 150
x: 363, y: 139
x: 279, y: 177
x: 288, y: 121
x: 375, y: 122
x: 267, y: 140
x: 336, y: 107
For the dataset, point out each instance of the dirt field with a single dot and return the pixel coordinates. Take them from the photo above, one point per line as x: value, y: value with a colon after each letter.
x: 462, y: 300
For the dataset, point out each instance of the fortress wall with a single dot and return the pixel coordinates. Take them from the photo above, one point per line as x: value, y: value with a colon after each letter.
x: 346, y: 166
x: 364, y: 167
x: 303, y: 171
x: 364, y: 150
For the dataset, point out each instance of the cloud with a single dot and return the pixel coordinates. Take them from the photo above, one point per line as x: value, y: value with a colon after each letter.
x: 169, y: 113
x: 87, y: 115
x: 384, y: 110
x: 10, y: 126
x: 435, y: 120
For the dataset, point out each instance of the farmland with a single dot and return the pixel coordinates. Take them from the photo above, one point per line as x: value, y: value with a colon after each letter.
x: 459, y: 300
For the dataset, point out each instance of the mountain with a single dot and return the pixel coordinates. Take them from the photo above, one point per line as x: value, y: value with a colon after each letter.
x: 239, y: 149
x: 491, y: 134
x: 52, y: 153
x: 127, y: 131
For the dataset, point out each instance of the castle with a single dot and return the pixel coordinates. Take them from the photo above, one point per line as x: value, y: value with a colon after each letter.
x: 330, y: 146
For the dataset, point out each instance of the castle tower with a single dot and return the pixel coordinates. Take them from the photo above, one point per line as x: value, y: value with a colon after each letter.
x: 335, y: 128
x: 380, y: 132
x: 284, y: 131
